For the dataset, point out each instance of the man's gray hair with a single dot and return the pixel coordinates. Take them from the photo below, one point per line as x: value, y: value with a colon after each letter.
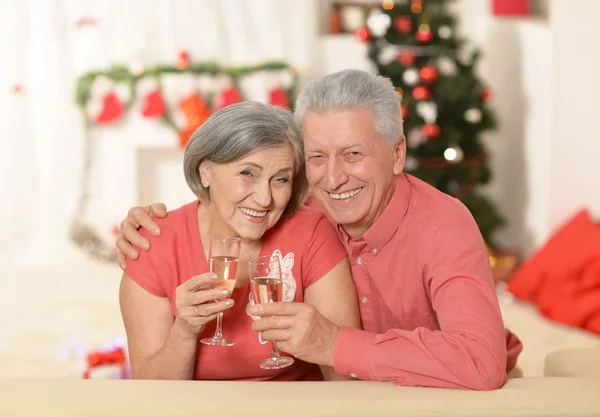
x: 353, y: 89
x: 236, y: 131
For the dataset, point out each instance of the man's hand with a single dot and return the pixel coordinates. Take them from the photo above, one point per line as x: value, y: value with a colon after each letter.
x: 299, y: 329
x: 130, y: 237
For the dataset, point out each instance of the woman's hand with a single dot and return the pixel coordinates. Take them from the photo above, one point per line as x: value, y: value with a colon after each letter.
x: 193, y: 300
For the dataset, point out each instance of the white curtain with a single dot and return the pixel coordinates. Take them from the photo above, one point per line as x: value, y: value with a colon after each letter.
x: 46, y: 45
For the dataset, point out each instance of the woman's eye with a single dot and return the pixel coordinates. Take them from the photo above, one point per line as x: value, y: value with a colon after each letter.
x: 283, y: 180
x: 246, y: 173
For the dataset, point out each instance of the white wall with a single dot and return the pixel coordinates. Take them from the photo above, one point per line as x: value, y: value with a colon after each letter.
x: 575, y: 173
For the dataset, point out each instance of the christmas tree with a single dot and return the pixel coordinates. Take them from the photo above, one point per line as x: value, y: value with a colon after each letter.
x: 445, y: 105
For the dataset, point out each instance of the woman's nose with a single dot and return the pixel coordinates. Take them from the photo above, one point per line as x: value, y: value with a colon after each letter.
x: 262, y: 195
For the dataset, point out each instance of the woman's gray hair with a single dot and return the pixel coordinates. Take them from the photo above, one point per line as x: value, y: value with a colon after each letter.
x: 237, y: 130
x: 353, y: 89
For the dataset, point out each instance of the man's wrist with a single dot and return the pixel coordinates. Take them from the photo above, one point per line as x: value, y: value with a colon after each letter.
x: 330, y: 351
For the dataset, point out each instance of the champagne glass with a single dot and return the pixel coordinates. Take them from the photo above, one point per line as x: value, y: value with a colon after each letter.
x: 266, y: 284
x: 223, y: 257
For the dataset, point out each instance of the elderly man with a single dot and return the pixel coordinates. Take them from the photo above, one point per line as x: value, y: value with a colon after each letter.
x: 428, y: 305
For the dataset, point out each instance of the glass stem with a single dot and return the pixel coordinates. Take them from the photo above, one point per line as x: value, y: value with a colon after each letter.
x: 219, y: 329
x: 274, y: 350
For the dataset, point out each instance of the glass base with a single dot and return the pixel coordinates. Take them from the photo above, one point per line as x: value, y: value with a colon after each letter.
x: 217, y: 341
x: 276, y: 363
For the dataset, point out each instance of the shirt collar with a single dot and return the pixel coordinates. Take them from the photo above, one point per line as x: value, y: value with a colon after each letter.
x: 388, y: 222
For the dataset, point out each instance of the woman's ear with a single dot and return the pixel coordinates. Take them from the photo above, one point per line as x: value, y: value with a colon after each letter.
x: 205, y: 173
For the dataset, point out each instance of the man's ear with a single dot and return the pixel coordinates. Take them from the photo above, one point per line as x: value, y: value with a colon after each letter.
x: 399, y: 153
x: 205, y: 170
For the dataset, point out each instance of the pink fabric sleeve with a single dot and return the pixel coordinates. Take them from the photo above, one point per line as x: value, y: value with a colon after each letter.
x: 324, y: 251
x: 469, y: 352
x: 144, y: 270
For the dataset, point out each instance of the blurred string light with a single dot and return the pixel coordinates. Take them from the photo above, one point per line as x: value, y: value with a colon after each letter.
x: 416, y: 6
x: 453, y: 154
x: 388, y: 4
x: 378, y: 22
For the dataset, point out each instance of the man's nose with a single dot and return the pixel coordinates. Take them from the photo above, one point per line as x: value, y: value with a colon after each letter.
x: 336, y: 174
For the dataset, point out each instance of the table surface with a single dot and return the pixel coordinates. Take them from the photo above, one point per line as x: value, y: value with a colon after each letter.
x: 519, y: 397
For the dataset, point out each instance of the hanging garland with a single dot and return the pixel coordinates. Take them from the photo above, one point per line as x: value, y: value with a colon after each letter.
x: 107, y: 97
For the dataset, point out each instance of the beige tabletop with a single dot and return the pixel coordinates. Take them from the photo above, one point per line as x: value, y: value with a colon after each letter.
x: 76, y: 398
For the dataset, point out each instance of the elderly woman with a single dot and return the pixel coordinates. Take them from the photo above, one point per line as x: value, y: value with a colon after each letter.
x: 246, y: 166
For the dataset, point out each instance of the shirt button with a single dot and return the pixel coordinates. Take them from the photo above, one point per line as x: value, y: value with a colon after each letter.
x: 375, y: 251
x: 359, y: 260
x: 353, y: 375
x: 364, y: 300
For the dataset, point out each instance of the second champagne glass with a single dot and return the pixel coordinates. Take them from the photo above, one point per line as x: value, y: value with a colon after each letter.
x: 266, y: 284
x: 223, y: 257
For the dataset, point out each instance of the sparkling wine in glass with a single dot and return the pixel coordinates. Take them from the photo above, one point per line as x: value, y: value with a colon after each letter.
x: 223, y: 258
x: 266, y: 284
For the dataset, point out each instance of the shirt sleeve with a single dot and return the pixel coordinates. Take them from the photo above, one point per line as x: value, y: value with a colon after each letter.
x: 324, y: 251
x: 469, y: 350
x: 144, y: 270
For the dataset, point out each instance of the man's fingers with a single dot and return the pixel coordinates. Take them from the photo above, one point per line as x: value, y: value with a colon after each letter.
x: 144, y: 219
x: 126, y: 249
x: 280, y: 309
x: 158, y: 210
x: 133, y: 237
x: 122, y: 260
x: 276, y: 335
x: 273, y: 322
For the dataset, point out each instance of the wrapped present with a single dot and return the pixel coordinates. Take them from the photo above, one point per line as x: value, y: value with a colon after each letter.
x: 107, y: 364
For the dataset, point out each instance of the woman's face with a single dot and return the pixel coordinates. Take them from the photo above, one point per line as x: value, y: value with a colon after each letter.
x: 249, y: 195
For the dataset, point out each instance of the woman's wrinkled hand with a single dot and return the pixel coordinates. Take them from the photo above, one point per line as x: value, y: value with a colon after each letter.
x: 195, y: 307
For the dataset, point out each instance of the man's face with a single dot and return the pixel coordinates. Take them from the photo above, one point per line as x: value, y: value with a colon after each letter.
x: 350, y: 167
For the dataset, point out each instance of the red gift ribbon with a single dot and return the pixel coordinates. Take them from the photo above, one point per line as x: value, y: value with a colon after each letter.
x: 101, y: 358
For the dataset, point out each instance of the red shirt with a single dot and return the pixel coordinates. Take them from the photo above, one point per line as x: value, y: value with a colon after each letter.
x: 427, y: 299
x: 308, y: 247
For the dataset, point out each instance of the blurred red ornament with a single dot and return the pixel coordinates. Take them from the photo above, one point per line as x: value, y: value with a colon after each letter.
x: 112, y: 109
x: 486, y: 94
x: 421, y: 93
x: 86, y: 21
x: 278, y: 97
x: 116, y: 230
x: 424, y: 35
x: 363, y: 34
x: 230, y: 95
x: 403, y: 24
x: 511, y: 7
x: 404, y: 112
x: 183, y: 61
x: 154, y: 105
x: 195, y: 111
x: 429, y: 74
x: 407, y: 58
x: 432, y: 131
x: 17, y: 88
